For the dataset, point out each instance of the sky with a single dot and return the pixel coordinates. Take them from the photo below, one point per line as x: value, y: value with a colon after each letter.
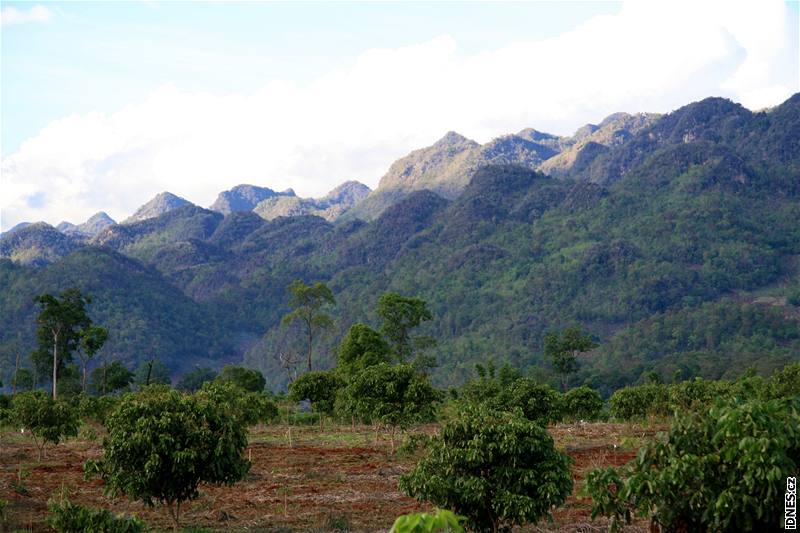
x: 104, y: 105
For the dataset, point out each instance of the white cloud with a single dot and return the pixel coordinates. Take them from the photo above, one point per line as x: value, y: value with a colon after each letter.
x: 11, y: 15
x: 352, y: 123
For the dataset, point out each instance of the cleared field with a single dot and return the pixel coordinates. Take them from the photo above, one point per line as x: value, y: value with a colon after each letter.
x: 338, y: 479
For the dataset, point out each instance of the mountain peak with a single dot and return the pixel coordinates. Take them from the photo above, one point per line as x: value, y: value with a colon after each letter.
x: 244, y: 198
x: 160, y: 204
x: 452, y: 138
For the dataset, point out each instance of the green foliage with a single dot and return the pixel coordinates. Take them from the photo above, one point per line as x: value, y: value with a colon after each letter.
x: 723, y: 469
x: 582, y: 403
x: 400, y: 315
x: 108, y: 379
x: 97, y: 408
x: 162, y: 445
x: 562, y: 350
x: 320, y: 388
x: 152, y: 372
x: 62, y: 323
x: 440, y: 521
x: 360, y: 348
x: 537, y: 402
x: 794, y: 298
x: 194, y: 379
x: 22, y: 380
x: 394, y: 396
x: 248, y: 408
x: 67, y: 517
x: 786, y: 382
x: 47, y: 420
x: 497, y: 469
x: 697, y: 393
x: 246, y: 379
x: 92, y: 340
x: 639, y: 402
x: 307, y: 303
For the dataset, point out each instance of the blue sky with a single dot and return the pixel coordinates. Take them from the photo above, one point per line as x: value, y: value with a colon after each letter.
x: 103, y: 105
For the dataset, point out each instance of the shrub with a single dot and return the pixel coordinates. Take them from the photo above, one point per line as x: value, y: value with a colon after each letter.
x: 394, y: 396
x: 786, y: 382
x: 162, y: 445
x: 246, y: 378
x: 539, y: 403
x: 319, y: 388
x: 497, y: 469
x: 697, y: 393
x: 441, y: 521
x: 639, y: 401
x: 582, y: 403
x: 721, y: 470
x: 96, y: 408
x: 68, y: 517
x: 47, y: 420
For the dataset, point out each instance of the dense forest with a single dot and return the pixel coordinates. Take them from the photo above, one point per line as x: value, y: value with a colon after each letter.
x: 676, y: 247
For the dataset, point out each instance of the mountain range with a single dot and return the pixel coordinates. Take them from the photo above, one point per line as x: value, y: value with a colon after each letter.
x: 673, y: 239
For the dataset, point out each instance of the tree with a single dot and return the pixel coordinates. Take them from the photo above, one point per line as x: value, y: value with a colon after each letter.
x: 497, y: 469
x: 92, y: 339
x: 61, y: 323
x: 400, y: 315
x: 22, y: 380
x: 194, y: 379
x: 162, y: 445
x: 307, y: 303
x: 362, y: 347
x: 245, y: 378
x: 442, y: 521
x: 563, y: 349
x: 108, y: 379
x: 393, y: 396
x: 153, y: 372
x: 319, y: 388
x: 46, y: 419
x: 720, y: 469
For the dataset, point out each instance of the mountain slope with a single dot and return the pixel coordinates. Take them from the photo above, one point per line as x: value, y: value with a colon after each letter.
x: 658, y: 246
x: 245, y: 198
x: 329, y: 207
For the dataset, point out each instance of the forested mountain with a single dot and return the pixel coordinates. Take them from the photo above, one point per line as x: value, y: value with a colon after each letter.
x: 674, y: 240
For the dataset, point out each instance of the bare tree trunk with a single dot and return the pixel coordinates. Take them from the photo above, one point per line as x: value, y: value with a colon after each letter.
x: 14, y: 381
x: 310, y: 345
x: 55, y: 364
x: 83, y: 383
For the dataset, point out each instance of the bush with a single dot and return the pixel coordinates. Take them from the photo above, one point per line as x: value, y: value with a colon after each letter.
x: 394, y: 396
x: 697, y: 393
x: 786, y: 382
x: 246, y: 378
x: 582, y: 403
x: 319, y: 388
x: 497, y: 469
x: 47, y: 420
x: 721, y: 470
x: 96, y: 408
x: 639, y: 401
x: 539, y: 403
x: 442, y: 521
x: 162, y: 445
x: 68, y: 517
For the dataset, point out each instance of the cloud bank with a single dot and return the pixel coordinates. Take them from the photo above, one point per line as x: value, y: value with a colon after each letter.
x: 11, y: 15
x: 352, y: 123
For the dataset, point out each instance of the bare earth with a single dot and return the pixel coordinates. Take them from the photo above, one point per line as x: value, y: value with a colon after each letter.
x: 332, y: 480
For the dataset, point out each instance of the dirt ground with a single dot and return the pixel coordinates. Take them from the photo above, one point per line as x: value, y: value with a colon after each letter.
x: 332, y: 480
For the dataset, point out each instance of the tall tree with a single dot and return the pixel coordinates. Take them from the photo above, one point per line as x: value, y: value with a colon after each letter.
x: 92, y: 339
x: 563, y: 349
x: 400, y: 315
x: 61, y: 323
x: 308, y: 303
